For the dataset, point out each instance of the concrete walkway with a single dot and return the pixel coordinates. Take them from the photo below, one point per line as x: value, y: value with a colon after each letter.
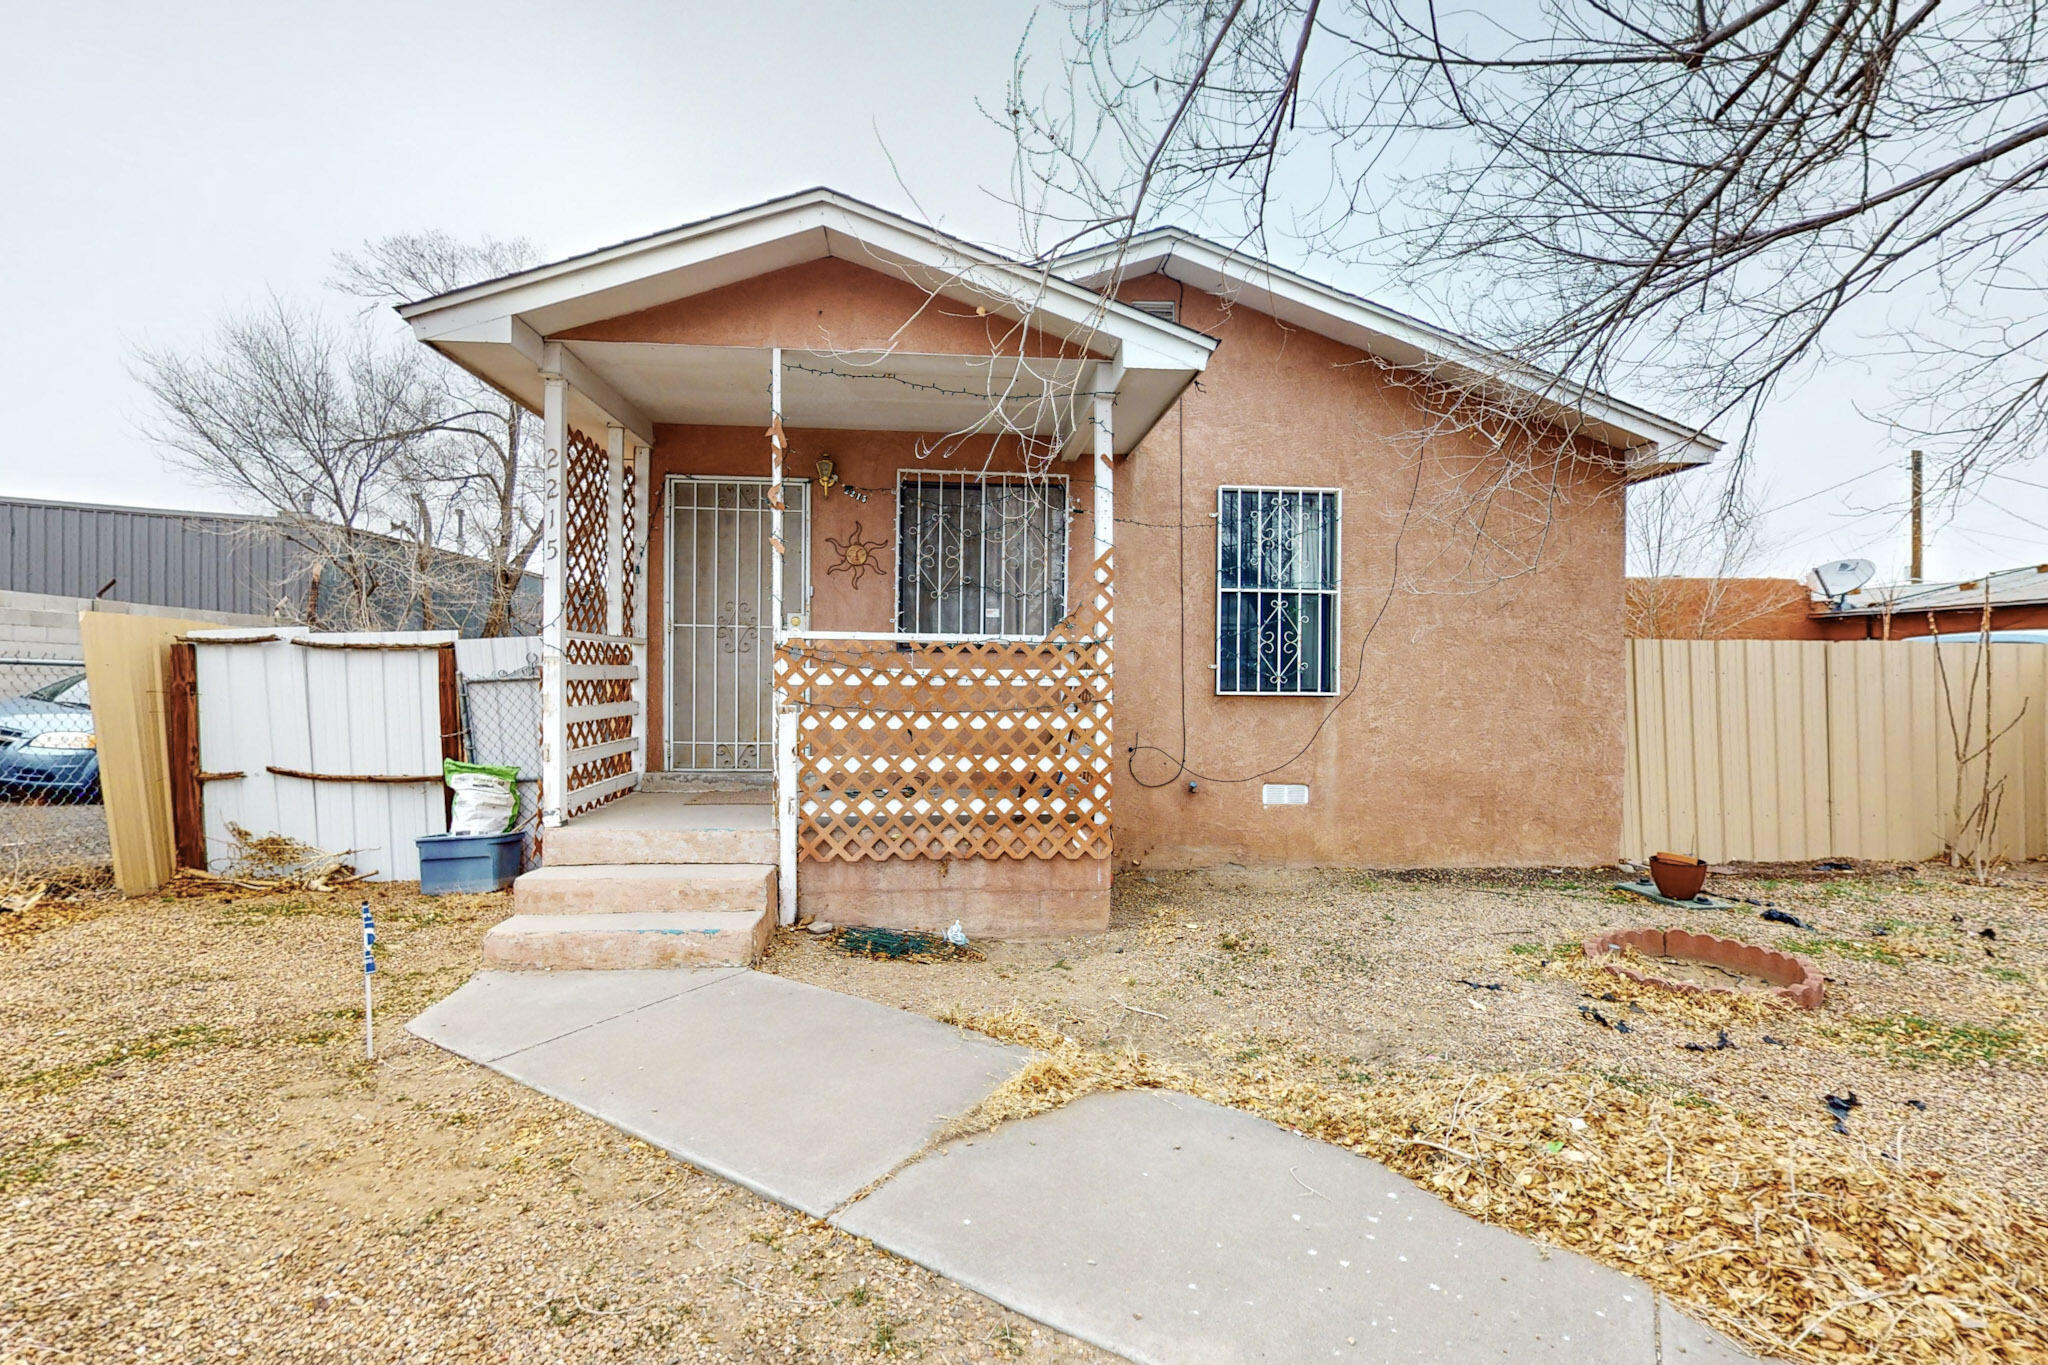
x: 1152, y: 1224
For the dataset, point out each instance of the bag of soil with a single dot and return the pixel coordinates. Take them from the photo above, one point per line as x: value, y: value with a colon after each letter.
x: 486, y: 797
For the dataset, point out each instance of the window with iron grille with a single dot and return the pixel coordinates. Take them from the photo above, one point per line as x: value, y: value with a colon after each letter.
x: 1276, y: 591
x: 980, y: 555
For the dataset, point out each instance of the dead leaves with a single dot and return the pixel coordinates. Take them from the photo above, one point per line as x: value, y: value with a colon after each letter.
x: 1793, y: 1249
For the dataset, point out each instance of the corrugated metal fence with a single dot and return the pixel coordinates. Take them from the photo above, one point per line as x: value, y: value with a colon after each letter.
x: 188, y: 560
x: 334, y: 740
x: 1784, y: 750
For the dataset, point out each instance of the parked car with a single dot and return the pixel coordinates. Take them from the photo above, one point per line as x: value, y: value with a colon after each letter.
x: 47, y: 746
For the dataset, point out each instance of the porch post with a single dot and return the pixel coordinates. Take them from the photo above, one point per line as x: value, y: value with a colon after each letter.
x: 785, y: 715
x: 643, y: 536
x: 554, y: 625
x: 615, y: 529
x: 1106, y: 379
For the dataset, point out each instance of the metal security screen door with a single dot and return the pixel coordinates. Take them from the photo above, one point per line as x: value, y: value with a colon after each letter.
x: 721, y: 716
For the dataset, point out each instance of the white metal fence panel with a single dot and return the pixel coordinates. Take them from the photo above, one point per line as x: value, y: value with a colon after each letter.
x: 292, y: 725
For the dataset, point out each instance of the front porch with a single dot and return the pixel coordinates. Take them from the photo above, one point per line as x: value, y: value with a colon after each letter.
x: 874, y: 573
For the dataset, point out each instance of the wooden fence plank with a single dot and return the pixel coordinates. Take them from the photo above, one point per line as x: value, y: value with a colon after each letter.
x: 126, y: 658
x: 181, y: 748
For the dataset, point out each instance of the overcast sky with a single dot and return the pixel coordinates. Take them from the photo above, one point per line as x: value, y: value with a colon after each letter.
x: 164, y: 164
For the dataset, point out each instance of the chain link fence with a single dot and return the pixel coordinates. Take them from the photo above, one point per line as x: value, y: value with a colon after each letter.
x: 50, y: 812
x: 501, y: 718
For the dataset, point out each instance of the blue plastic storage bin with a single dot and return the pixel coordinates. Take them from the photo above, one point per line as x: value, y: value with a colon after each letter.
x: 468, y: 862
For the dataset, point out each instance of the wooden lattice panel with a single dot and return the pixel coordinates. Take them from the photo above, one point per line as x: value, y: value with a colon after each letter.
x: 586, y: 471
x: 968, y: 749
x: 630, y: 571
x: 585, y: 467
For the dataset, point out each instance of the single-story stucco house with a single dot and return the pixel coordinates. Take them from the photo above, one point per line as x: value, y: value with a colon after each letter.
x: 892, y: 581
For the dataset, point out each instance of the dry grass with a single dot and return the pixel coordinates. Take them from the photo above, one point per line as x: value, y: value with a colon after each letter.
x: 1356, y: 1010
x: 196, y: 1164
x: 1797, y: 1251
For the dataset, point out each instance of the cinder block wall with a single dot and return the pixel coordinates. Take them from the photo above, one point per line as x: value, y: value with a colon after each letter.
x: 37, y: 625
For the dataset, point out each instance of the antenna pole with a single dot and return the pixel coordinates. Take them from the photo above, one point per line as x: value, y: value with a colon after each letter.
x: 1915, y: 575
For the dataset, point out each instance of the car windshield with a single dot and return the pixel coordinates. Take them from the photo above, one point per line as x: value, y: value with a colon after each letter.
x: 69, y: 691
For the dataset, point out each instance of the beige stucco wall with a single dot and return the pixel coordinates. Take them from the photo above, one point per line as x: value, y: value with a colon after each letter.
x: 1485, y: 721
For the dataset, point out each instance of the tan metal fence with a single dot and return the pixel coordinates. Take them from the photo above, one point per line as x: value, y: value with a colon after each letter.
x: 1783, y: 750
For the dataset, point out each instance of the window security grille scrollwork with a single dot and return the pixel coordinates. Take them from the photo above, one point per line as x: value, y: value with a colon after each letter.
x: 1276, y: 590
x: 981, y: 555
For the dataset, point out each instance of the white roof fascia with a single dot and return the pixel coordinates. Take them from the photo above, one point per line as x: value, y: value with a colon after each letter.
x: 685, y: 261
x: 1656, y: 445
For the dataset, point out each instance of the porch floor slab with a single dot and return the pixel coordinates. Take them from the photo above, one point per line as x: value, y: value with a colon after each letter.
x: 800, y: 1094
x: 667, y: 811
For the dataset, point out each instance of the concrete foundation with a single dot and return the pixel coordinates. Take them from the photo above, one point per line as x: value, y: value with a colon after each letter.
x: 990, y: 897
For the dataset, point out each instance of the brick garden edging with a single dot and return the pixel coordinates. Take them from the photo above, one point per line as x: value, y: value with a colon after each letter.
x: 1796, y: 979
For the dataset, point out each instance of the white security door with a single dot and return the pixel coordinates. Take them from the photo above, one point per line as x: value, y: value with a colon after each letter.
x: 721, y: 572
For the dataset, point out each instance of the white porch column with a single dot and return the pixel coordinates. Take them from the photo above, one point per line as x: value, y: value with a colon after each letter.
x: 615, y: 529
x: 643, y: 693
x: 1106, y: 379
x: 785, y: 714
x: 554, y: 625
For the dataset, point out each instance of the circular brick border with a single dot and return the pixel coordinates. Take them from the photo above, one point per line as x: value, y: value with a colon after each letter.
x: 1795, y: 978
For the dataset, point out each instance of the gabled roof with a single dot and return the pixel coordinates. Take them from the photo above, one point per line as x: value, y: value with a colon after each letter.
x: 500, y: 329
x: 1656, y: 445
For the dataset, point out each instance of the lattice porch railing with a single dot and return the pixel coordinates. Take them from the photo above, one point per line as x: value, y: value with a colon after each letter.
x: 599, y: 671
x: 955, y: 749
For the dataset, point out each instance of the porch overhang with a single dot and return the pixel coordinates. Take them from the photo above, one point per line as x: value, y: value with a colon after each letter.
x: 507, y: 333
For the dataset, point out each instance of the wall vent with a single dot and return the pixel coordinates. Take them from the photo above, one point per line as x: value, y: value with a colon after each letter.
x: 1166, y: 310
x: 1286, y: 794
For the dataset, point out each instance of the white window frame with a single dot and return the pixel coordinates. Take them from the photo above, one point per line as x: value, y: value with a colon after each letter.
x: 1335, y: 592
x: 927, y: 475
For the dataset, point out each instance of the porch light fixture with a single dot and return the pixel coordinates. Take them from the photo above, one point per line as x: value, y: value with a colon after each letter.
x: 827, y: 478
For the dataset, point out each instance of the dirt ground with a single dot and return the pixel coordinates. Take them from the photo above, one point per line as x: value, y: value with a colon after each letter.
x: 1449, y: 1026
x: 196, y: 1163
x: 36, y: 835
x: 1348, y: 977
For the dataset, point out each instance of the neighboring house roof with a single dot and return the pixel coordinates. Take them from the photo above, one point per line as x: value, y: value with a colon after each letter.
x: 1656, y: 445
x: 2026, y: 586
x: 499, y: 330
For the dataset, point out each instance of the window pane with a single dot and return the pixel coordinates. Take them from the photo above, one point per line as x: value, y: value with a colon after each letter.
x: 1276, y: 578
x: 981, y: 556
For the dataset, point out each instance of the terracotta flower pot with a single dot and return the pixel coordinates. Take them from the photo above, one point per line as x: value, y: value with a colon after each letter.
x: 1678, y: 877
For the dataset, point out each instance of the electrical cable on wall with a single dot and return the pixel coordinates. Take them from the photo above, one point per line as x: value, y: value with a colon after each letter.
x: 1181, y: 768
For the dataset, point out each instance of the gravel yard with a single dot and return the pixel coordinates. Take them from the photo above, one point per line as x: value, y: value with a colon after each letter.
x: 1449, y: 1026
x: 35, y: 835
x: 1337, y: 975
x: 197, y: 1164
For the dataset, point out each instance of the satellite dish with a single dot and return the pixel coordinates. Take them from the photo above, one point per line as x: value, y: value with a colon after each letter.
x: 1842, y: 577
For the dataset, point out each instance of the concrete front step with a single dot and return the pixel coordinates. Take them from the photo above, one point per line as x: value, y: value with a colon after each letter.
x: 664, y: 828
x: 738, y: 788
x: 623, y: 942
x: 612, y: 888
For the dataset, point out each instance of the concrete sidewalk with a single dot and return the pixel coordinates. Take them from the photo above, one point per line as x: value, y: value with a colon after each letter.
x: 1152, y: 1224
